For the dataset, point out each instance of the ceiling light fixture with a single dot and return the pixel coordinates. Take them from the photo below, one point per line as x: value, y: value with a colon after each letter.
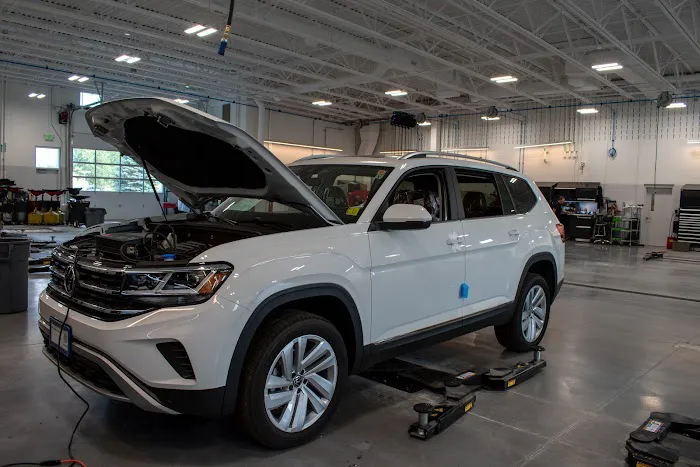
x: 465, y: 149
x: 322, y: 103
x: 561, y: 143
x: 206, y: 32
x: 607, y: 67
x: 182, y: 101
x: 484, y: 117
x: 82, y: 79
x: 425, y: 124
x: 73, y: 78
x: 693, y: 141
x: 587, y: 111
x: 34, y: 94
x: 303, y: 146
x: 40, y: 96
x: 504, y: 79
x: 127, y: 59
x: 195, y: 28
x: 676, y: 105
x: 396, y: 93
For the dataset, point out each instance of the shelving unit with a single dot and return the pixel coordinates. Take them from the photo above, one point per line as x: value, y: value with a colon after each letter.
x: 626, y: 230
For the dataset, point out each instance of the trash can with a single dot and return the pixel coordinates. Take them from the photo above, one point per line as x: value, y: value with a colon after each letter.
x: 94, y: 216
x: 14, y: 274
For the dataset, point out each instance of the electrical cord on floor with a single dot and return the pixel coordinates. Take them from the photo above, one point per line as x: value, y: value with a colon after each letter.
x: 72, y: 461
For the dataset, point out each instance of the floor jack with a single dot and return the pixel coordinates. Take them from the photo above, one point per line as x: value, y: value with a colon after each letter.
x: 460, y: 394
x: 665, y: 440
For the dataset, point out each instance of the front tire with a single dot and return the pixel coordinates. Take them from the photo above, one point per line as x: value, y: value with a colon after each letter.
x: 529, y: 322
x: 292, y: 379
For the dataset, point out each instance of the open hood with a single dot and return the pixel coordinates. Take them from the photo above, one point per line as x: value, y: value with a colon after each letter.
x: 198, y: 156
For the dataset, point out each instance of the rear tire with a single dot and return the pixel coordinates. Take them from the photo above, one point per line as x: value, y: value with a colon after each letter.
x: 530, y: 318
x: 274, y: 374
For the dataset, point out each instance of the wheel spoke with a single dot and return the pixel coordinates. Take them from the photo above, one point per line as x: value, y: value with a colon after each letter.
x: 278, y: 399
x: 288, y: 361
x: 537, y: 295
x: 538, y: 322
x: 322, y: 385
x: 321, y: 365
x: 315, y: 354
x: 300, y: 414
x: 532, y: 331
x: 275, y: 382
x: 538, y: 312
x: 318, y: 404
x: 286, y: 419
x: 301, y: 350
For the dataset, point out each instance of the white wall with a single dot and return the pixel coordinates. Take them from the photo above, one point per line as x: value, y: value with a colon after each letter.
x: 623, y: 178
x: 28, y: 120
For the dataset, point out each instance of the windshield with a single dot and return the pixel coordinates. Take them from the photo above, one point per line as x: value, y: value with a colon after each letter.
x: 346, y: 189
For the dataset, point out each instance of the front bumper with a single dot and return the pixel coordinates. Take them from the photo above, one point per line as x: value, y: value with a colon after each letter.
x: 121, y: 359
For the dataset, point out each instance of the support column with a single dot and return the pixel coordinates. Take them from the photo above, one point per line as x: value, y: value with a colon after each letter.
x: 261, y: 120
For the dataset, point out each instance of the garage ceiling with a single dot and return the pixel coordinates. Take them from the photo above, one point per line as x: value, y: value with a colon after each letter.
x: 289, y: 53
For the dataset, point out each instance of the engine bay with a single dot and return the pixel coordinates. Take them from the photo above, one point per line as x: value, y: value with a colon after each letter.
x: 143, y: 245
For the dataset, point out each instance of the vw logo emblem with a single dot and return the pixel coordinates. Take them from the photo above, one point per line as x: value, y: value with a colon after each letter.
x: 70, y: 280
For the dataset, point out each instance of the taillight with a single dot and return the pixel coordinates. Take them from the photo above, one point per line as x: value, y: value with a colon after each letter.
x: 560, y: 228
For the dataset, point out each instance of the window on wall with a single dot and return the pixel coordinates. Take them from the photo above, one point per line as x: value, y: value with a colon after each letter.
x: 88, y: 98
x: 96, y: 170
x: 47, y: 158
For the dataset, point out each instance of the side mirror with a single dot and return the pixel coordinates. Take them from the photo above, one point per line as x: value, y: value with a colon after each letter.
x: 405, y: 217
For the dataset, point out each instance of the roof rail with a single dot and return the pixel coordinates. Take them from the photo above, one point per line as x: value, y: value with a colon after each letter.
x: 315, y: 156
x: 421, y: 154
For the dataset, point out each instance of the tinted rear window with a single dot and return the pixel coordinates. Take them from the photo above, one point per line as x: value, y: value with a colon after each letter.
x: 523, y: 196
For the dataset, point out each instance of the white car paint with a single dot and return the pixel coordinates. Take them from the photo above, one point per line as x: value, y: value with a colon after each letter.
x: 401, y: 281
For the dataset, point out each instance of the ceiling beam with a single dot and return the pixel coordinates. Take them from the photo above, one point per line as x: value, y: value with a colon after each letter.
x: 680, y: 25
x: 472, y: 46
x: 472, y: 6
x: 574, y: 12
x: 403, y: 63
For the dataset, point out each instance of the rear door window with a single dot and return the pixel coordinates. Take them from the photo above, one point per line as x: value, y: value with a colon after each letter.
x: 523, y: 196
x: 479, y: 194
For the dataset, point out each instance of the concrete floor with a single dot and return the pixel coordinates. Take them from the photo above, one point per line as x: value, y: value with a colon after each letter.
x: 612, y: 356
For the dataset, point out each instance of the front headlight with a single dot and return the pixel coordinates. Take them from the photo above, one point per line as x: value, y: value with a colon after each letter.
x: 187, y: 284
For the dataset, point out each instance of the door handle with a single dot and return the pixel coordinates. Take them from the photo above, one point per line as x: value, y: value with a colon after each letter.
x: 514, y: 233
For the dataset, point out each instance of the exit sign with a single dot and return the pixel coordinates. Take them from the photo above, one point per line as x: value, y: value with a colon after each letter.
x: 48, y: 137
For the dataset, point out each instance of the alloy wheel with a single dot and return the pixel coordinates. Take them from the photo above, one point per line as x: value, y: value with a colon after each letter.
x: 300, y: 383
x: 534, y: 312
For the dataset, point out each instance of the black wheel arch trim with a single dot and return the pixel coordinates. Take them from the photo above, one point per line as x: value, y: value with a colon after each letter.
x: 536, y: 258
x: 261, y: 312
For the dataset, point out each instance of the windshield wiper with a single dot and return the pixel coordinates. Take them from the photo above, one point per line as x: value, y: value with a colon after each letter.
x: 209, y: 215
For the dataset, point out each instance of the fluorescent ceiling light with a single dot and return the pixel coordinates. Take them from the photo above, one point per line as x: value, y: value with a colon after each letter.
x: 181, y: 101
x: 33, y: 94
x: 122, y: 58
x: 322, y: 103
x: 587, y: 111
x: 561, y: 143
x: 206, y: 32
x: 504, y: 79
x: 195, y: 28
x: 490, y: 118
x: 425, y: 124
x: 83, y: 79
x: 73, y: 78
x: 303, y: 146
x: 676, y: 105
x: 693, y: 141
x: 40, y: 96
x: 465, y: 149
x: 396, y: 93
x: 133, y: 59
x: 607, y: 66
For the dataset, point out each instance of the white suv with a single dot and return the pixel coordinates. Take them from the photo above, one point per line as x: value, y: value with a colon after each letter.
x: 303, y: 275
